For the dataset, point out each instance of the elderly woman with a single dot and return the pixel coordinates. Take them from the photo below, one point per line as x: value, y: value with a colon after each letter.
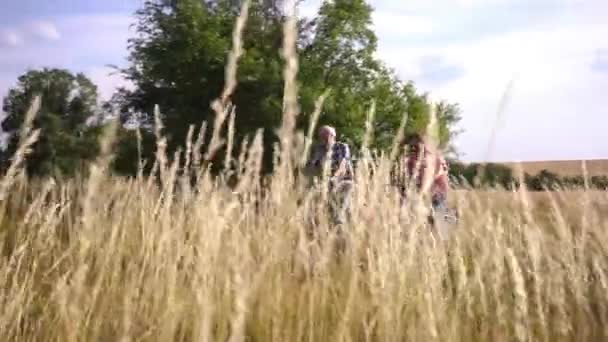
x: 425, y: 167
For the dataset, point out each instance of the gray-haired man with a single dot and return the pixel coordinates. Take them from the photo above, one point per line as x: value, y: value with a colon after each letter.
x: 340, y: 171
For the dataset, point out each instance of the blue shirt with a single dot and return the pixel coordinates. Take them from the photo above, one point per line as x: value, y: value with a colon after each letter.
x: 340, y: 152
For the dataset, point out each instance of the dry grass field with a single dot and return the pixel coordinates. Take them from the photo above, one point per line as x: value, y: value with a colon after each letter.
x: 103, y: 258
x: 111, y: 259
x: 596, y: 167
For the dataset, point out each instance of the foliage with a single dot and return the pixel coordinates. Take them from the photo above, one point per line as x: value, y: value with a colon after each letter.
x: 111, y: 258
x: 177, y: 61
x: 498, y: 175
x: 180, y: 52
x: 133, y: 151
x: 68, y: 105
x: 486, y: 175
x: 600, y: 182
x: 544, y: 180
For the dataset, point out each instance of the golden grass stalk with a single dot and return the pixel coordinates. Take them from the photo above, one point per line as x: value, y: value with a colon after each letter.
x: 399, y: 135
x: 161, y: 143
x: 97, y: 172
x: 369, y: 130
x: 221, y: 106
x: 230, y: 146
x: 233, y: 56
x: 27, y: 138
x: 313, y: 124
x: 502, y: 107
x: 164, y: 265
x: 188, y: 153
x: 290, y: 91
x: 198, y: 145
x: 140, y: 161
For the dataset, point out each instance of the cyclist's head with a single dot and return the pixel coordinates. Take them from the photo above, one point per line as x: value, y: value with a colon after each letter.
x: 414, y: 138
x: 414, y: 141
x: 327, y: 134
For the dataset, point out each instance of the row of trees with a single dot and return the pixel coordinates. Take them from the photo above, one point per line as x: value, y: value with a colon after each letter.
x: 177, y: 61
x: 498, y: 175
x: 71, y: 122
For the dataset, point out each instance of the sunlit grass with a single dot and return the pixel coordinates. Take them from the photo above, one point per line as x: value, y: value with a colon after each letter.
x: 130, y: 262
x: 159, y: 259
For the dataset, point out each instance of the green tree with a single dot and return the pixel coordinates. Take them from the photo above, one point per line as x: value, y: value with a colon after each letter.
x: 600, y: 182
x: 341, y: 57
x: 543, y: 180
x: 484, y: 175
x: 68, y: 103
x: 178, y: 61
x: 178, y: 56
x: 448, y: 116
x: 498, y: 175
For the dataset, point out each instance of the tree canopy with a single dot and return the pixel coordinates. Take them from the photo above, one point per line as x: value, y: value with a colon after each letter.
x: 177, y: 60
x: 68, y: 104
x: 179, y: 54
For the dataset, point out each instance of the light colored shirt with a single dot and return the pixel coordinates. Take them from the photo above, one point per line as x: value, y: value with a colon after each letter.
x: 418, y: 164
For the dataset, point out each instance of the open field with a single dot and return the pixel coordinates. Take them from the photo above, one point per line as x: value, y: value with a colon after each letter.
x: 596, y: 167
x: 188, y: 258
x: 536, y: 199
x: 107, y: 259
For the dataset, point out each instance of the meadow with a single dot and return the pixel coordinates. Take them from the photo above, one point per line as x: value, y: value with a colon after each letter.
x: 182, y: 256
x: 104, y: 258
x: 594, y: 167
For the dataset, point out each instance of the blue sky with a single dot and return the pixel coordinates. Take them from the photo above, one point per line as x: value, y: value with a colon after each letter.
x: 555, y: 53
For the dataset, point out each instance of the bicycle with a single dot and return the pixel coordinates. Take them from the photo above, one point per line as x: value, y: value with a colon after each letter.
x: 440, y: 218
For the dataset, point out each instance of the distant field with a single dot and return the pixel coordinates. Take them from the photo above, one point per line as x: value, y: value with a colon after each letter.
x: 537, y: 200
x: 566, y: 167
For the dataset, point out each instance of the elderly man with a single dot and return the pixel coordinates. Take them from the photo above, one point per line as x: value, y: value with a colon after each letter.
x: 340, y: 171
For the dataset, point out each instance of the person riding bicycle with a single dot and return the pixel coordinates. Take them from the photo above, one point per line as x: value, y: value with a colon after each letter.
x: 425, y: 167
x: 340, y: 170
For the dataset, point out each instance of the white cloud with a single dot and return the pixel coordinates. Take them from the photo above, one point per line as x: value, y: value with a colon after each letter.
x: 17, y: 36
x: 474, y: 3
x: 385, y: 21
x: 450, y: 5
x: 45, y: 30
x: 10, y: 38
x: 308, y: 8
x: 555, y: 87
x: 600, y: 62
x: 392, y: 23
x: 554, y: 91
x: 94, y: 41
x: 107, y: 81
x: 537, y: 58
x: 425, y: 5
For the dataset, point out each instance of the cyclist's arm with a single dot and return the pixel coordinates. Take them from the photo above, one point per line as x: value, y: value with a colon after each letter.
x: 344, y: 163
x: 313, y: 165
x: 442, y: 167
x: 441, y: 175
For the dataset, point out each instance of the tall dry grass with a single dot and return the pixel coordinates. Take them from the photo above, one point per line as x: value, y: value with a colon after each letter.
x: 115, y: 259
